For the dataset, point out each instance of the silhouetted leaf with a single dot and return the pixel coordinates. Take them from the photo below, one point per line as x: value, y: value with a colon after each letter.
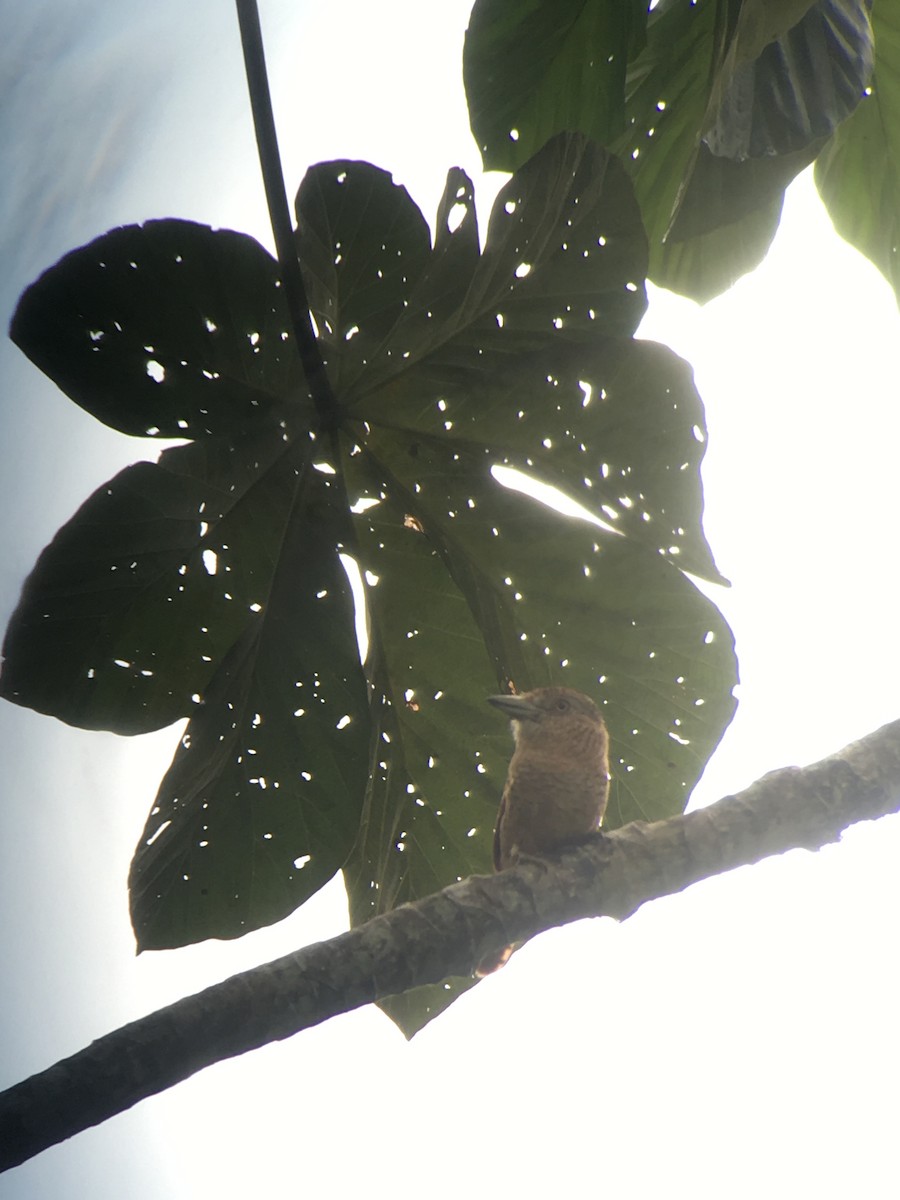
x: 263, y: 798
x: 127, y: 612
x: 800, y: 86
x: 210, y: 583
x: 167, y: 329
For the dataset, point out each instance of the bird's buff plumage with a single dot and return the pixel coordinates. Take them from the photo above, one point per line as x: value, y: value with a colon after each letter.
x: 557, y: 784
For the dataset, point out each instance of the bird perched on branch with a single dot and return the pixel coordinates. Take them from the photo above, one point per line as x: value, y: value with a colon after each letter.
x: 557, y: 784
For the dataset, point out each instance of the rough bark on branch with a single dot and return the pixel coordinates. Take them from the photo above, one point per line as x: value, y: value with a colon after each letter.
x: 446, y: 934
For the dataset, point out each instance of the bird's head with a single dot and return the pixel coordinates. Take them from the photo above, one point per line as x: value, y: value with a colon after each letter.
x: 547, y: 714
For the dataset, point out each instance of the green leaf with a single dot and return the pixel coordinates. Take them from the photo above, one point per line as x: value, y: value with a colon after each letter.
x: 167, y: 329
x: 771, y: 120
x: 704, y: 266
x: 762, y: 21
x: 858, y: 174
x: 559, y: 600
x: 565, y: 254
x: 648, y: 105
x: 262, y: 802
x: 799, y: 87
x: 533, y: 69
x: 471, y: 588
x: 207, y: 584
x: 713, y: 112
x: 586, y: 607
x: 616, y: 425
x: 360, y: 239
x: 126, y: 613
x: 215, y: 577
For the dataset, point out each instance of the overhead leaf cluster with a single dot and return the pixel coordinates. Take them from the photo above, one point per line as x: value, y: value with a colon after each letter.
x: 211, y: 584
x: 714, y: 105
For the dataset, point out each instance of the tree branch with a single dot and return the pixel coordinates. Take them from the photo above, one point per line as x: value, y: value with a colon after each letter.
x: 446, y: 934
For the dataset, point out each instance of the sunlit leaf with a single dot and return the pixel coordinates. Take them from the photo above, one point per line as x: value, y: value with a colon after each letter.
x: 857, y: 174
x: 713, y: 111
x: 533, y: 69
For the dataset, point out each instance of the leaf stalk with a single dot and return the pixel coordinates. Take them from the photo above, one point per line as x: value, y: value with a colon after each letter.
x: 279, y: 214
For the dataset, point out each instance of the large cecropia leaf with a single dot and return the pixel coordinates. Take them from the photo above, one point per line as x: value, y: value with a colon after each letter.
x: 210, y: 585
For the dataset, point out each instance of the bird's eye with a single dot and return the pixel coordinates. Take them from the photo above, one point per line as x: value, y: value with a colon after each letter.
x: 562, y: 705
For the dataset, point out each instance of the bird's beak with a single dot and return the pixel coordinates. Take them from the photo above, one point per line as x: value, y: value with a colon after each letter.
x: 519, y: 708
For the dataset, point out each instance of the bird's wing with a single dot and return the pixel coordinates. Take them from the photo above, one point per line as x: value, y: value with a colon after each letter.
x: 501, y: 812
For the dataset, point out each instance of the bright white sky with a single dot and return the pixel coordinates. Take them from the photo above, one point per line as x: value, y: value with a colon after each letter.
x: 739, y: 1039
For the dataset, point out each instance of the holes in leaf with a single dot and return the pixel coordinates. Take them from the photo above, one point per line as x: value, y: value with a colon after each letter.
x: 153, y: 836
